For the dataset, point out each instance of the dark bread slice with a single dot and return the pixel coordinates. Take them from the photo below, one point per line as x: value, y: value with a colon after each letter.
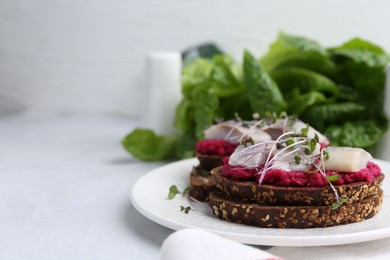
x: 250, y: 191
x: 202, y: 182
x: 209, y: 162
x: 293, y: 216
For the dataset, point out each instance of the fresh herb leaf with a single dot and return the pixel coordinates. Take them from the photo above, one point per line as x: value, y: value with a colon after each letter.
x: 323, y: 115
x: 295, y: 51
x: 305, y: 80
x: 299, y: 103
x: 297, y: 159
x: 262, y: 92
x: 185, y: 191
x: 305, y: 130
x: 172, y: 192
x: 333, y: 177
x: 337, y: 204
x: 357, y: 134
x: 185, y: 209
x: 146, y: 145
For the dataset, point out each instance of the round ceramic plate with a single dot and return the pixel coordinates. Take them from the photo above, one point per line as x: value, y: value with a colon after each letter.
x: 149, y: 197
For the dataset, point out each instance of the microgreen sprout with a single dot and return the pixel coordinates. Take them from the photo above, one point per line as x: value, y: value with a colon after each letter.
x: 237, y: 117
x: 173, y: 191
x: 185, y: 209
x: 185, y: 191
x: 304, y: 131
x: 333, y: 177
x: 326, y: 154
x: 338, y: 203
x: 297, y: 159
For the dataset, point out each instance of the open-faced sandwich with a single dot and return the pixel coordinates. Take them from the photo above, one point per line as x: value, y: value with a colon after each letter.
x: 296, y: 181
x: 219, y: 143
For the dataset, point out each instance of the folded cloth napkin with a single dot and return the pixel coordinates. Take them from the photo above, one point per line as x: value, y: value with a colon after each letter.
x: 193, y: 244
x: 375, y: 250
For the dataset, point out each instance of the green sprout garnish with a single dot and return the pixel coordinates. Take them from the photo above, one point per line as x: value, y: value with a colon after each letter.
x: 173, y: 191
x: 297, y: 159
x: 337, y: 204
x: 185, y: 191
x: 185, y: 209
x: 333, y: 177
x: 290, y: 142
x: 305, y: 131
x: 316, y: 138
x: 326, y: 154
x: 237, y: 117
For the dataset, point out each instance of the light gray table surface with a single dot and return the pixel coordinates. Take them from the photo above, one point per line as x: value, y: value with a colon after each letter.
x: 65, y: 185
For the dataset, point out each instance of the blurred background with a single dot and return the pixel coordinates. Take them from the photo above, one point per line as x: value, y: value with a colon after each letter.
x: 88, y: 56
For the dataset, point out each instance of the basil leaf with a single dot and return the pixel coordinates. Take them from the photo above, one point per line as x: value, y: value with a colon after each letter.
x: 320, y: 116
x: 262, y: 92
x: 146, y: 145
x: 205, y: 107
x: 294, y: 51
x: 300, y: 102
x: 306, y: 80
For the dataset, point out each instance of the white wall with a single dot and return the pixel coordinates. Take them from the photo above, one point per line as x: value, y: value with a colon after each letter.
x: 85, y: 55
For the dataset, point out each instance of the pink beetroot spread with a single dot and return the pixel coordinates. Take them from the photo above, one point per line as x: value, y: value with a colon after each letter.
x: 300, y: 178
x: 215, y: 147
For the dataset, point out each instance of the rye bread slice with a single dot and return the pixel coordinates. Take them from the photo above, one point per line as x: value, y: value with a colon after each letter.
x: 202, y: 182
x: 250, y: 191
x: 292, y: 216
x: 209, y: 162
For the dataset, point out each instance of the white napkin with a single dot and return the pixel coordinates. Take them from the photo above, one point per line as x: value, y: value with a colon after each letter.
x: 193, y: 244
x: 375, y: 250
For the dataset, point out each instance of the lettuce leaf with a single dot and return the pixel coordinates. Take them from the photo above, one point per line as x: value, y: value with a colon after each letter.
x: 358, y: 134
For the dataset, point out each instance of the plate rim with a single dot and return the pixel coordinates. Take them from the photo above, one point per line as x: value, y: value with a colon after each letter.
x: 258, y: 239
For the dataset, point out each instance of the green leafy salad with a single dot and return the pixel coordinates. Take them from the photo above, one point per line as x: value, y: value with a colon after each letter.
x: 339, y: 91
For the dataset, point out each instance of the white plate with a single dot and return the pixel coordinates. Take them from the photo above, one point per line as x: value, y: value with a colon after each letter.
x: 149, y: 196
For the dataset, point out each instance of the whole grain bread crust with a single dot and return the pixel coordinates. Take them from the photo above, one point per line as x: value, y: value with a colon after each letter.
x: 250, y: 191
x: 292, y: 216
x: 201, y: 183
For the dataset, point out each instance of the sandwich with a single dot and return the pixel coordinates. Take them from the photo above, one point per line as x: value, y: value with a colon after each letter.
x: 296, y: 181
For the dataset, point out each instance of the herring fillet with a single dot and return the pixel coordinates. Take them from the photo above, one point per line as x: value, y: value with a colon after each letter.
x: 346, y: 159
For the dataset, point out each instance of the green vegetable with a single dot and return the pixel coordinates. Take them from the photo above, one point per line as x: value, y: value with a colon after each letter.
x: 263, y: 94
x: 148, y: 146
x: 339, y: 91
x: 357, y: 134
x: 292, y: 51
